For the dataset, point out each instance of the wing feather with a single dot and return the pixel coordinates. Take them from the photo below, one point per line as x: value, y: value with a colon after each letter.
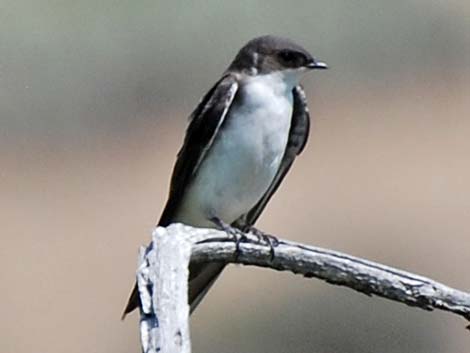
x: 205, y: 122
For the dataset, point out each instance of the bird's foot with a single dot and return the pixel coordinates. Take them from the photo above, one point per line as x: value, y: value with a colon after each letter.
x: 269, y: 239
x: 236, y: 233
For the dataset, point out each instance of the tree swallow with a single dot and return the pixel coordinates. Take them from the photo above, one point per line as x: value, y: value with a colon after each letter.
x: 241, y: 141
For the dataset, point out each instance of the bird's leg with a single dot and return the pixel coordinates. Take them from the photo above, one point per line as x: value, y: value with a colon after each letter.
x: 237, y: 234
x: 269, y: 239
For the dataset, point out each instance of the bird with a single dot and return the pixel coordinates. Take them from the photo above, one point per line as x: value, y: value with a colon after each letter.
x: 241, y: 141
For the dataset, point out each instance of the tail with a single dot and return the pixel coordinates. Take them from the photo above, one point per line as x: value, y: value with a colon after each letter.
x: 202, y: 277
x: 132, y: 303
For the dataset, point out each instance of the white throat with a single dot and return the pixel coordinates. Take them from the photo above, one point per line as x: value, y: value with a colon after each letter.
x: 279, y: 82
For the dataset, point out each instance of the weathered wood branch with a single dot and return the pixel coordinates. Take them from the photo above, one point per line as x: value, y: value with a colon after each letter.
x: 163, y: 276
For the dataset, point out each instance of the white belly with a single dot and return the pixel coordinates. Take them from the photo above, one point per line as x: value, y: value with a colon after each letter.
x: 244, y: 159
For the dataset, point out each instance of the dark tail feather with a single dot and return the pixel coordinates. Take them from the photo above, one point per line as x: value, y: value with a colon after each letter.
x: 202, y: 278
x: 133, y: 302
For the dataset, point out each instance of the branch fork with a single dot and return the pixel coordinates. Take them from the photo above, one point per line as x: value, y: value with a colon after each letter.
x: 163, y: 274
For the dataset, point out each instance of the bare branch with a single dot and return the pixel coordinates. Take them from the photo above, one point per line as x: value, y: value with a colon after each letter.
x: 336, y: 268
x: 162, y: 279
x: 162, y: 268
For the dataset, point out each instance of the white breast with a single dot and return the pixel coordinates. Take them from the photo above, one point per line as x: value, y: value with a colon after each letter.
x: 246, y: 156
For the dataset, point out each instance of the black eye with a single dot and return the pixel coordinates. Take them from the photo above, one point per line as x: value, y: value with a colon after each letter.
x: 288, y: 56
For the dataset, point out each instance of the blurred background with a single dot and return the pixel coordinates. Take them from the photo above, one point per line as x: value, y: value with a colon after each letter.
x: 94, y: 99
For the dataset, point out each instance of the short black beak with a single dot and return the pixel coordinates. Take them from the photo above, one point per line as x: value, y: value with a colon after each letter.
x: 319, y: 65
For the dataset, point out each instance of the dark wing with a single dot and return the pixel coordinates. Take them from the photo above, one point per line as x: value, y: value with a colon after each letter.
x: 298, y: 135
x: 205, y: 121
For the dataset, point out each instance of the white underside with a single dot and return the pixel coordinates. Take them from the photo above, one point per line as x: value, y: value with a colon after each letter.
x: 246, y: 156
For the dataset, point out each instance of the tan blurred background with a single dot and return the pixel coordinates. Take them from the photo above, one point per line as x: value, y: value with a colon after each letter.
x: 93, y: 104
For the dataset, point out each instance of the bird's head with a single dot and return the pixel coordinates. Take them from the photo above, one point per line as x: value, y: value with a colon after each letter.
x: 268, y: 54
